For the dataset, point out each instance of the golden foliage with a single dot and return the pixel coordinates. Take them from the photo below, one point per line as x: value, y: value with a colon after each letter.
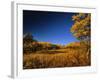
x: 81, y: 26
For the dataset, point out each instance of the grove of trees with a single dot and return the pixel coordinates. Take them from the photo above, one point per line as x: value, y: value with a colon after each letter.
x: 32, y: 45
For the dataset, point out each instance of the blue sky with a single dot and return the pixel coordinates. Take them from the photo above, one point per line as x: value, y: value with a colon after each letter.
x: 51, y: 27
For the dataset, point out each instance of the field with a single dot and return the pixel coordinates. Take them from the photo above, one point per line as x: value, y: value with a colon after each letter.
x: 66, y: 57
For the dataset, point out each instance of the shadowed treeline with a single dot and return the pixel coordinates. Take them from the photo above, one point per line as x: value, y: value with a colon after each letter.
x: 32, y: 45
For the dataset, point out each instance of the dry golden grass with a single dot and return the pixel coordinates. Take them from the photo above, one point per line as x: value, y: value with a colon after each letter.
x: 68, y: 57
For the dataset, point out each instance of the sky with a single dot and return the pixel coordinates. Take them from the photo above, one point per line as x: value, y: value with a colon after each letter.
x: 46, y: 26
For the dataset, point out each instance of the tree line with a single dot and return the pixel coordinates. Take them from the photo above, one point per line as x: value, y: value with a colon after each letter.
x: 32, y: 45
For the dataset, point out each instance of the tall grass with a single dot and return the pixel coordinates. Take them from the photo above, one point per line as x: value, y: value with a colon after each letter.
x: 68, y: 57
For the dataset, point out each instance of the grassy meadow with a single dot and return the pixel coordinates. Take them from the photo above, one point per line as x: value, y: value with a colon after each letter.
x: 73, y: 55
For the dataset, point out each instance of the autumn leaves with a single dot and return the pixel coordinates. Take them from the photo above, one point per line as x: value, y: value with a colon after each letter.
x: 81, y: 26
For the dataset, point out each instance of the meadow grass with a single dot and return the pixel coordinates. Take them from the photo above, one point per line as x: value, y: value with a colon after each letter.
x: 68, y: 57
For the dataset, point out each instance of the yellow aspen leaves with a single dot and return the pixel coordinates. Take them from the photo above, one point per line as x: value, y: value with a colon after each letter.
x: 81, y: 26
